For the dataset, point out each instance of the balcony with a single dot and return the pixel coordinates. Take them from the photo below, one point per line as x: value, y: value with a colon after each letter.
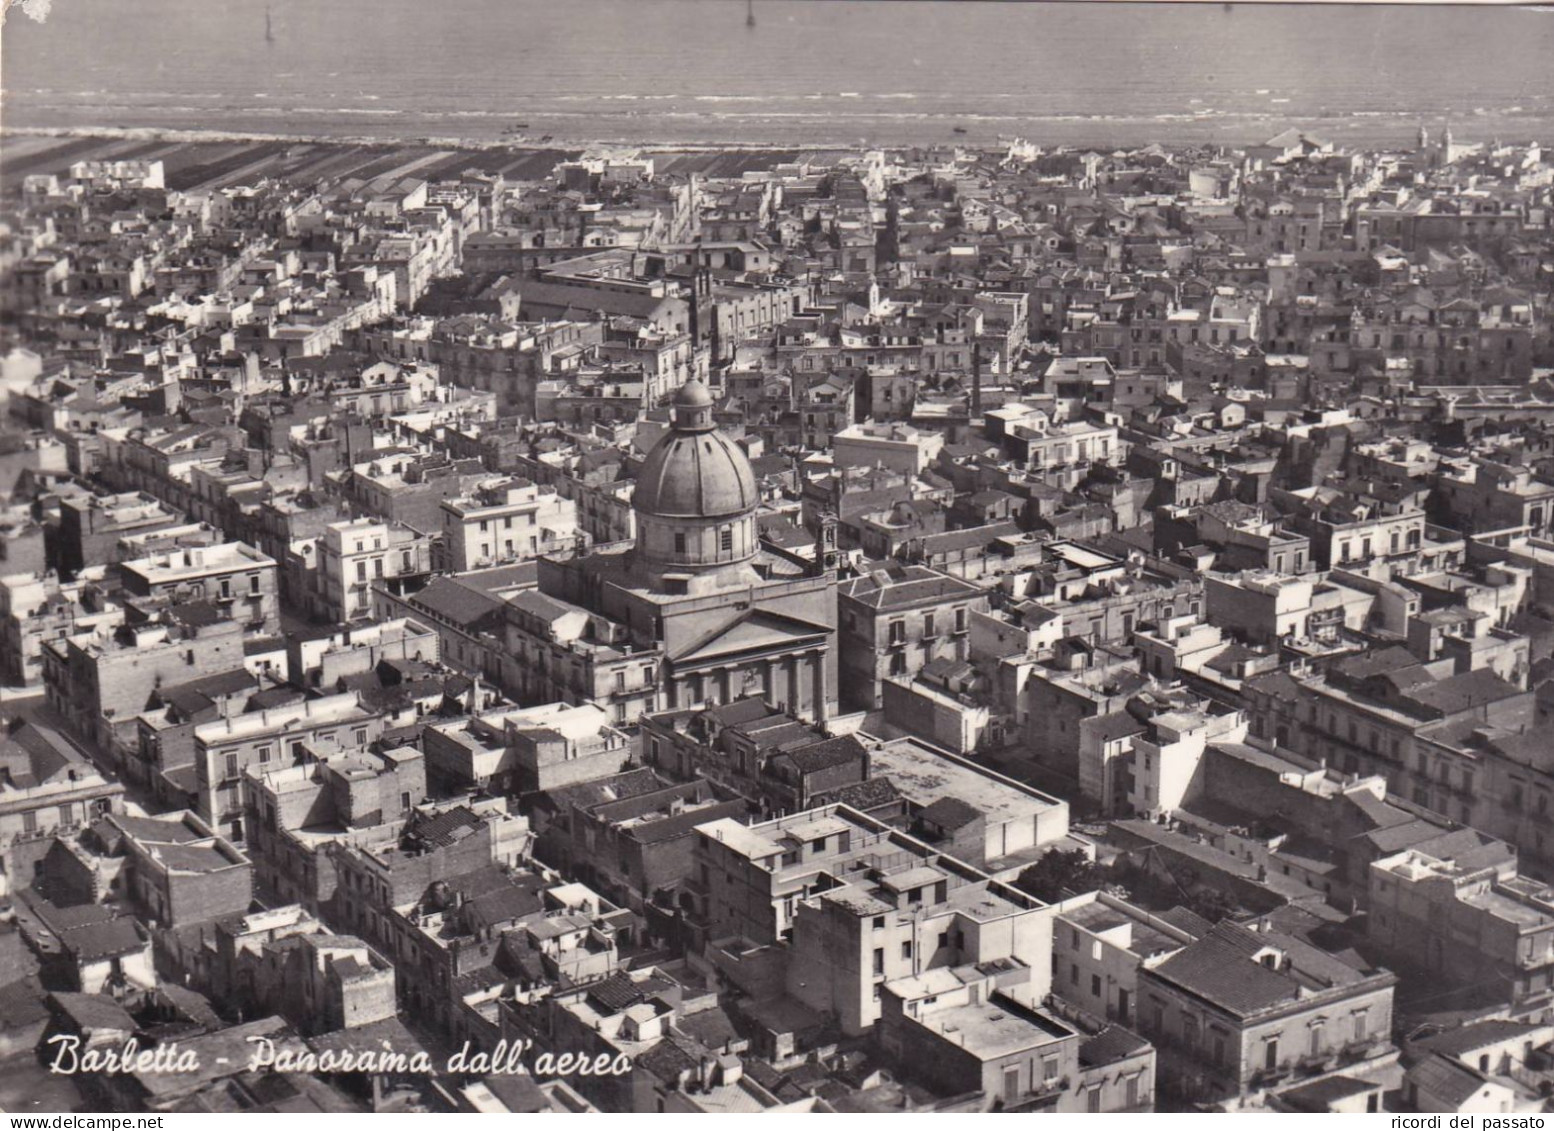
x: 1357, y: 1050
x: 1269, y: 1077
x: 1314, y: 1064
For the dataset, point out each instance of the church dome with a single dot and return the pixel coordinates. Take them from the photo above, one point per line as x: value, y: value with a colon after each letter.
x: 695, y: 471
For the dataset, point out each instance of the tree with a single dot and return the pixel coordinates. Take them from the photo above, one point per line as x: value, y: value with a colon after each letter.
x: 1061, y: 873
x: 1211, y: 903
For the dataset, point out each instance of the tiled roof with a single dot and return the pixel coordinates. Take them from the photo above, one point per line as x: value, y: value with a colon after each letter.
x: 1469, y: 1038
x: 443, y: 828
x: 863, y: 796
x: 1110, y: 1045
x: 950, y: 813
x: 1219, y: 968
x: 107, y: 939
x: 1446, y: 1079
x: 456, y: 602
x: 587, y: 794
x: 666, y: 1060
x: 615, y: 993
x: 90, y: 1012
x: 21, y: 1003
x: 825, y: 754
x: 1320, y: 1095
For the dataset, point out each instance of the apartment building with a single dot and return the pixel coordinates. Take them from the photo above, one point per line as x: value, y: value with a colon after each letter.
x: 1100, y: 942
x: 239, y: 580
x: 1469, y: 922
x: 851, y: 904
x: 1244, y: 1008
x: 525, y: 749
x: 507, y: 520
x: 897, y: 620
x: 225, y: 748
x: 357, y: 556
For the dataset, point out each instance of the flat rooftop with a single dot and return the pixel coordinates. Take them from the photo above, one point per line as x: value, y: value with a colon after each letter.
x: 988, y: 1030
x: 311, y: 712
x: 1135, y: 934
x: 924, y: 775
x: 197, y: 561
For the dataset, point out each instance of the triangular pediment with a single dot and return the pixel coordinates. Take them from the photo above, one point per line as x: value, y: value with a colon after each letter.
x: 754, y: 631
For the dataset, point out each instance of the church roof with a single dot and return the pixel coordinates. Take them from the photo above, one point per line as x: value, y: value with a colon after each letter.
x: 695, y: 471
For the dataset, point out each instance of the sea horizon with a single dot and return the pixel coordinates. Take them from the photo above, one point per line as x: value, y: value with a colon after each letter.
x: 809, y: 73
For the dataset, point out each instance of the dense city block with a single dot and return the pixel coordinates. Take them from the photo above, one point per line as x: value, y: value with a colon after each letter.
x: 941, y: 629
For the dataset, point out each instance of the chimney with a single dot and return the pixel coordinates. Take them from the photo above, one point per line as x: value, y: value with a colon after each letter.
x: 976, y: 380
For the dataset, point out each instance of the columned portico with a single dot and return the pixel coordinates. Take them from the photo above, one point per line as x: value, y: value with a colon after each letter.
x: 792, y: 678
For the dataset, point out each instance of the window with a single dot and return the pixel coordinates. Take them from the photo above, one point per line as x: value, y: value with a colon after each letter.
x: 960, y: 620
x: 253, y: 584
x: 879, y: 960
x: 1095, y: 985
x: 1361, y: 1023
x: 879, y: 922
x: 944, y: 939
x: 928, y: 625
x: 906, y: 949
x: 679, y: 542
x: 231, y: 765
x: 726, y: 540
x: 404, y: 801
x: 264, y: 754
x: 1073, y: 973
